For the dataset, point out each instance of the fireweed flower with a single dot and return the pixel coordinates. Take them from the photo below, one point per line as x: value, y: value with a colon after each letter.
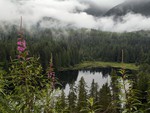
x: 51, y: 74
x: 21, y: 45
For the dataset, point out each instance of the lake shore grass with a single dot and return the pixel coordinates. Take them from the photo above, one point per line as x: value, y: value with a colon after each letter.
x: 99, y: 64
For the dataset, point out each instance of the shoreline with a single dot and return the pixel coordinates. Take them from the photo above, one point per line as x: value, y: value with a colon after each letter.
x: 99, y: 64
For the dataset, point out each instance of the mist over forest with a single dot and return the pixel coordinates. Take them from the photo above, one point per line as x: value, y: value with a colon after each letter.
x: 74, y: 56
x: 100, y: 15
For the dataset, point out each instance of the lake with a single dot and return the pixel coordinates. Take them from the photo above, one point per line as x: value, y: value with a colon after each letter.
x: 100, y: 76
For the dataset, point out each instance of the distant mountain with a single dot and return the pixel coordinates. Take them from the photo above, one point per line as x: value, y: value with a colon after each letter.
x: 96, y: 11
x: 94, y: 8
x: 135, y: 6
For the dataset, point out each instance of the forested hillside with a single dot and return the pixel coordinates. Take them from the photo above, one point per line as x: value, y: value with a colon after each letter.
x: 71, y: 46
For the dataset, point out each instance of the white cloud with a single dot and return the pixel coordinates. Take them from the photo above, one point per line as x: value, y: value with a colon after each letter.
x: 104, y: 3
x: 66, y: 13
x: 130, y: 22
x: 33, y: 10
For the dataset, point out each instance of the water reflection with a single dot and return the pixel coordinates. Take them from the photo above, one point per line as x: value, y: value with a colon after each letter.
x: 67, y: 77
x: 100, y: 75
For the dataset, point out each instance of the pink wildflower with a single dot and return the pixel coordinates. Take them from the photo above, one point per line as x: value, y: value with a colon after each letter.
x: 20, y: 49
x: 24, y: 44
x: 21, y: 45
x: 51, y: 74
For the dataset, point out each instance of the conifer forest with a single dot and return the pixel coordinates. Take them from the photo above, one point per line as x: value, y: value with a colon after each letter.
x: 74, y: 56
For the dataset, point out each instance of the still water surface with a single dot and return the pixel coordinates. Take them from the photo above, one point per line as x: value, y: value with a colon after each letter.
x: 100, y: 76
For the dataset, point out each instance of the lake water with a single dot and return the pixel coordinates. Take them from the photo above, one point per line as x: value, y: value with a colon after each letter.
x: 100, y: 76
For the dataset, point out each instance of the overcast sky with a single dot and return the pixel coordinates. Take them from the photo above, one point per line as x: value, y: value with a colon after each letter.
x: 69, y: 12
x: 104, y: 3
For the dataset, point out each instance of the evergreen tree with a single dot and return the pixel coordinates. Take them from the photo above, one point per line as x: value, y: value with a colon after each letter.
x: 63, y: 99
x: 61, y: 103
x: 115, y: 91
x: 72, y: 98
x: 82, y: 95
x: 105, y: 99
x: 94, y: 91
x: 143, y: 86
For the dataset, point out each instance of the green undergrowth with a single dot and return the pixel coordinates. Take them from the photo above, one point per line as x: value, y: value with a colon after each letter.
x: 96, y: 64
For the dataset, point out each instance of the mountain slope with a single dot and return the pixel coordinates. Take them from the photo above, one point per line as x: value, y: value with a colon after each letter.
x: 135, y: 6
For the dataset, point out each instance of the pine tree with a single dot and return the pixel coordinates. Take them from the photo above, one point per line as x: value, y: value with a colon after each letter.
x: 115, y: 90
x: 143, y: 85
x: 82, y: 95
x: 61, y: 103
x: 94, y: 91
x: 63, y: 100
x: 105, y: 98
x: 72, y: 98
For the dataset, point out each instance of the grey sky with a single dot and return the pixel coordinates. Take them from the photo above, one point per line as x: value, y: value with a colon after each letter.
x: 69, y: 12
x: 104, y: 3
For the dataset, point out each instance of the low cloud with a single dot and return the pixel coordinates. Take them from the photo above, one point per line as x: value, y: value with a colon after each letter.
x: 128, y: 23
x: 66, y: 13
x: 103, y: 3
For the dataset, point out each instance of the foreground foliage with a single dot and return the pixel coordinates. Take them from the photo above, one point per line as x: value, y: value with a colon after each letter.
x: 24, y: 89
